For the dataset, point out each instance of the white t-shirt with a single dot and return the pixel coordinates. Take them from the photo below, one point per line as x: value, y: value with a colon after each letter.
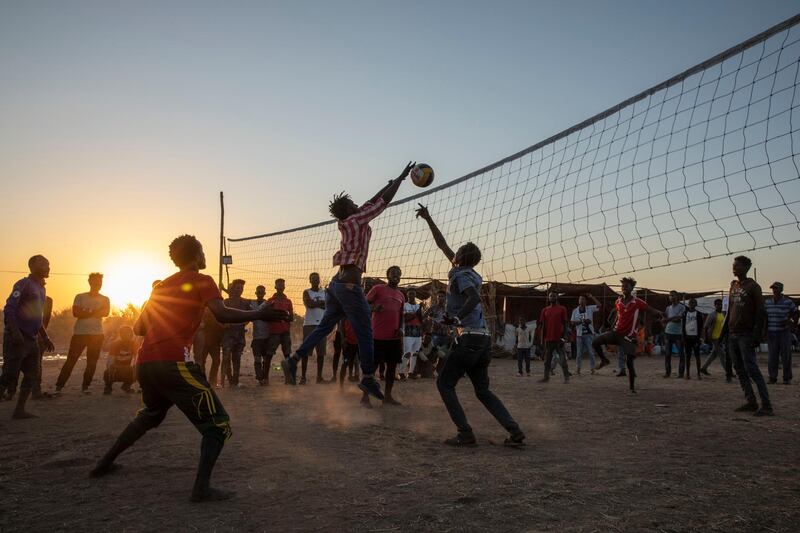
x: 586, y: 314
x: 691, y: 323
x: 524, y: 337
x: 92, y: 302
x: 314, y: 314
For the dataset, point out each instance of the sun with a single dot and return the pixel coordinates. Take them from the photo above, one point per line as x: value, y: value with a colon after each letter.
x: 128, y: 277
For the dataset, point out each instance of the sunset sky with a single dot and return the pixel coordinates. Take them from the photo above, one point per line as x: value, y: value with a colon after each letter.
x: 120, y: 122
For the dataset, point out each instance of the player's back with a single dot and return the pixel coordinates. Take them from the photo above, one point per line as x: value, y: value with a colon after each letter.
x: 174, y: 312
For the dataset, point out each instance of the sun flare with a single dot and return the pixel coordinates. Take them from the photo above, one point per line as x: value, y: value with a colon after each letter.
x: 128, y: 277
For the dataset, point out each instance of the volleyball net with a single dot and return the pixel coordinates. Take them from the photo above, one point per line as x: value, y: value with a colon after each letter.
x: 702, y: 165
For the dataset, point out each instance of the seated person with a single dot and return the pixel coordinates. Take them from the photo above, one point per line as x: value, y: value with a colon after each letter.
x: 120, y: 360
x: 429, y: 358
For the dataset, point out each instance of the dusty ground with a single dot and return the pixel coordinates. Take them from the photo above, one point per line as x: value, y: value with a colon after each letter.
x: 673, y: 458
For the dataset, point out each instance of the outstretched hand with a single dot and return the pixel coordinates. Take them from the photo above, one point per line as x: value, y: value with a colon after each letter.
x: 407, y: 170
x: 270, y: 314
x: 422, y: 212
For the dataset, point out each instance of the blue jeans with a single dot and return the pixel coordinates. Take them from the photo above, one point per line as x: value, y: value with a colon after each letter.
x: 471, y: 355
x: 584, y: 344
x: 741, y: 348
x: 345, y: 300
x: 780, y: 349
x: 524, y: 354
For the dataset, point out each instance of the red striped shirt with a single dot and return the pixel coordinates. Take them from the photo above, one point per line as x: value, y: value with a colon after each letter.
x: 356, y: 233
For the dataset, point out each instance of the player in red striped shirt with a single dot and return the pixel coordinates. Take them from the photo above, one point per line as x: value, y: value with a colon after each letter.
x: 623, y: 335
x: 345, y: 297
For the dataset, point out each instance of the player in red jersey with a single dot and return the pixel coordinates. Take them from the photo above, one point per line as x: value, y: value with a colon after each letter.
x: 623, y: 334
x: 166, y: 370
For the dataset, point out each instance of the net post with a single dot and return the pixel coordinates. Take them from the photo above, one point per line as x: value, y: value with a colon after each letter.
x: 221, y: 234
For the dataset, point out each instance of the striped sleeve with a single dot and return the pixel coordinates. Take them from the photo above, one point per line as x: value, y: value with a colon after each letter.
x: 369, y: 210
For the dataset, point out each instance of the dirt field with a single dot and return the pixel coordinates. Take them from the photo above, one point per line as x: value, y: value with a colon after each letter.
x: 673, y: 458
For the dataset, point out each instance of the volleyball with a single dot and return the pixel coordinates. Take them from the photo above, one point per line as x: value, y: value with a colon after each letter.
x: 422, y: 175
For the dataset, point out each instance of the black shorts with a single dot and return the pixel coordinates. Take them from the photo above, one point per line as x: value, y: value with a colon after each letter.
x: 388, y: 351
x: 166, y: 383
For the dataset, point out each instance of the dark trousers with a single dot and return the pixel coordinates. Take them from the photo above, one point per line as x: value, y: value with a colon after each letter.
x: 780, y: 350
x: 232, y: 348
x: 320, y: 349
x: 471, y: 355
x: 92, y: 344
x: 742, y: 348
x: 350, y: 353
x: 557, y: 347
x: 524, y: 354
x: 692, y: 347
x: 262, y: 359
x: 674, y: 340
x: 345, y: 300
x: 212, y: 344
x: 627, y: 350
x: 19, y: 357
x: 114, y: 374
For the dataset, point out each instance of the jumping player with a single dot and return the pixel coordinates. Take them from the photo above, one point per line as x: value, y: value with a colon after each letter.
x: 471, y: 352
x: 345, y: 297
x: 623, y: 334
x: 167, y: 374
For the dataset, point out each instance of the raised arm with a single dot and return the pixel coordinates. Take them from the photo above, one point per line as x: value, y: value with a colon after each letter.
x: 389, y: 190
x: 438, y: 238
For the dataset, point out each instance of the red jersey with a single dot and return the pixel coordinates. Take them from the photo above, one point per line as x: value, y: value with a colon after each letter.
x: 174, y: 312
x: 281, y: 303
x: 386, y: 322
x: 628, y: 316
x: 349, y: 333
x: 356, y: 234
x: 552, y: 319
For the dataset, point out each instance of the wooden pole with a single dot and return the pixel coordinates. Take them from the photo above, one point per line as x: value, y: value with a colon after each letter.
x: 221, y: 234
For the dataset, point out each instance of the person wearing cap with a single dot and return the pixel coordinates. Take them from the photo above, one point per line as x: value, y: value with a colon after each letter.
x: 781, y: 311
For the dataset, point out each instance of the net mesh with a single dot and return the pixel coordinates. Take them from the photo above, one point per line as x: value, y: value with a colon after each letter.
x: 702, y: 165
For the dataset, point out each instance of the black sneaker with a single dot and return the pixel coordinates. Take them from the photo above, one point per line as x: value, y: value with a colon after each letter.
x: 289, y: 367
x: 462, y: 441
x: 748, y: 407
x: 772, y: 381
x: 371, y: 387
x: 765, y: 411
x: 516, y: 440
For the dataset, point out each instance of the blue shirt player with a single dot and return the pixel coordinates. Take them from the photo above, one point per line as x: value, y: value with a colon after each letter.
x: 24, y: 316
x: 471, y: 354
